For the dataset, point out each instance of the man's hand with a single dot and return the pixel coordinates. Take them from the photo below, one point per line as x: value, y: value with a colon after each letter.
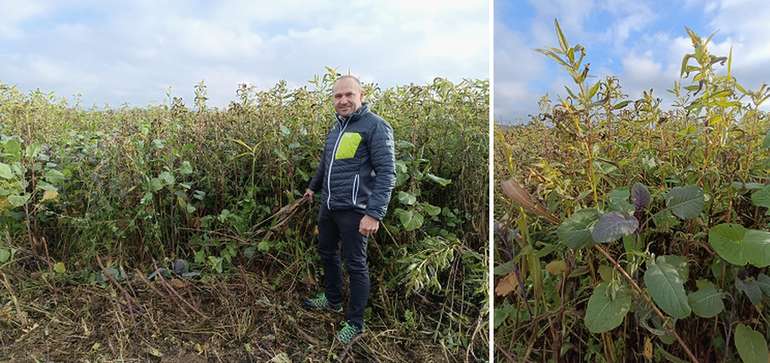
x: 308, y: 194
x: 368, y: 226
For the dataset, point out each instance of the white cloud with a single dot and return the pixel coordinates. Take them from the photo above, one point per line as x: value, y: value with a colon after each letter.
x: 16, y: 12
x: 138, y: 49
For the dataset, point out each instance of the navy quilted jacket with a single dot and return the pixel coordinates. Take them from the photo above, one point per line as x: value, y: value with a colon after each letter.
x: 358, y: 165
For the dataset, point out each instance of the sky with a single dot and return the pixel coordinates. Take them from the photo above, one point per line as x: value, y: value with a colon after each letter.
x: 133, y: 52
x: 640, y: 42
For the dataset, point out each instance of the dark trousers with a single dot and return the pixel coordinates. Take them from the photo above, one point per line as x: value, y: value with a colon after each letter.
x: 334, y: 226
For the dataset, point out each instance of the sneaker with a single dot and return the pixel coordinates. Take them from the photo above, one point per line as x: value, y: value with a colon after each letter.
x: 348, y: 332
x: 319, y: 302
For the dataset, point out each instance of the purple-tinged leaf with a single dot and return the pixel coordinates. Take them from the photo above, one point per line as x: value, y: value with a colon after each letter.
x: 640, y: 196
x: 613, y: 225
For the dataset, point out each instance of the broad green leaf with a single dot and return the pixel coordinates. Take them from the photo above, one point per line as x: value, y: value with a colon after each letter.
x: 727, y: 241
x: 167, y: 178
x: 5, y: 171
x: 679, y: 263
x: 618, y: 201
x: 33, y: 150
x: 406, y: 198
x: 707, y: 301
x: 764, y: 283
x: 13, y: 149
x: 751, y: 288
x: 54, y: 176
x: 757, y: 247
x: 613, y: 225
x: 50, y: 195
x: 739, y: 246
x: 751, y: 345
x: 605, y: 313
x: 761, y: 197
x: 5, y: 254
x: 18, y: 200
x: 409, y: 219
x: 431, y: 209
x: 59, y: 267
x: 156, y: 184
x: 685, y: 202
x: 439, y: 180
x: 666, y: 288
x: 575, y: 231
x: 186, y: 168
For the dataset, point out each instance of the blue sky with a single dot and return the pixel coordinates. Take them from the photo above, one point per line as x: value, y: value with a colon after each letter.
x: 640, y: 42
x: 132, y: 52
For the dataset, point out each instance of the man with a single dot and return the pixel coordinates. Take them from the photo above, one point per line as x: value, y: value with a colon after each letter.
x: 356, y: 176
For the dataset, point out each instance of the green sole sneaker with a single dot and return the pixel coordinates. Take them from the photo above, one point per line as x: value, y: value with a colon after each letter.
x: 348, y: 332
x: 320, y: 302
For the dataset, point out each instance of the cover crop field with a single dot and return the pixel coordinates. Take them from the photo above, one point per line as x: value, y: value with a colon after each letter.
x: 629, y: 231
x: 177, y: 232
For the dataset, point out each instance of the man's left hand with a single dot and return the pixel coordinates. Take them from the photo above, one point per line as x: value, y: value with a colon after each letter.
x: 368, y: 226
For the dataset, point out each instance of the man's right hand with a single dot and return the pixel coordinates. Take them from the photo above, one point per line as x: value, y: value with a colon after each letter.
x: 308, y: 194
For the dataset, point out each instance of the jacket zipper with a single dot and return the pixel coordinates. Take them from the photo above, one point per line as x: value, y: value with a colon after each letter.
x: 355, y: 190
x: 331, y: 162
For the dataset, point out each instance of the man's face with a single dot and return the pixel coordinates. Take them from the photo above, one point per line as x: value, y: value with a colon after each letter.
x: 347, y: 97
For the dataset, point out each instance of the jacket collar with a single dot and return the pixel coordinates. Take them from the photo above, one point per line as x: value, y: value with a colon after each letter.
x: 355, y: 115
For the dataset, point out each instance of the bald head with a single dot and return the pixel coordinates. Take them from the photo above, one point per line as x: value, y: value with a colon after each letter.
x: 348, y: 95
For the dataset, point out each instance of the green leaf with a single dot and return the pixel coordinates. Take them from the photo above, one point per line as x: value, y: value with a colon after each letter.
x: 54, y: 176
x: 685, y: 202
x: 439, y: 180
x: 409, y: 219
x: 761, y: 197
x: 757, y: 247
x: 156, y: 184
x: 13, y: 147
x: 618, y: 200
x: 562, y: 39
x: 679, y: 263
x: 613, y: 225
x: 18, y: 200
x: 739, y: 246
x: 764, y: 283
x: 5, y: 171
x: 575, y: 231
x: 431, y: 209
x: 751, y: 345
x: 707, y: 301
x: 406, y: 198
x: 621, y: 104
x: 5, y: 254
x: 666, y: 288
x: 167, y: 178
x: 186, y: 168
x: 59, y: 267
x: 605, y: 313
x: 766, y: 141
x: 727, y: 241
x: 264, y: 245
x: 751, y: 288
